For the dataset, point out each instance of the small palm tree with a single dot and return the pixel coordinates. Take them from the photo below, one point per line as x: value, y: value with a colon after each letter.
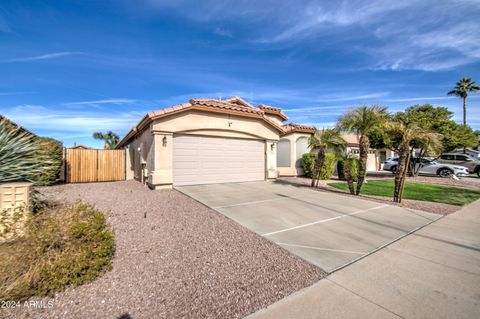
x: 349, y: 160
x: 463, y: 87
x: 110, y: 139
x: 409, y: 133
x: 322, y: 140
x: 362, y: 121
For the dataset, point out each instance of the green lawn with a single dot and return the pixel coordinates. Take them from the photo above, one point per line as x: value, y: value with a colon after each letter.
x: 426, y: 192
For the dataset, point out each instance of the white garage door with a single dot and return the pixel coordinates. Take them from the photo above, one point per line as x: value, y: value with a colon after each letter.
x: 206, y: 160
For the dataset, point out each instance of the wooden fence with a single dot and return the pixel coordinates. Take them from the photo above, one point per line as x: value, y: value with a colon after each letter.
x: 87, y: 165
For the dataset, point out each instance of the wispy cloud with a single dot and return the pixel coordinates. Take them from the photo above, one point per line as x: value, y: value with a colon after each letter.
x: 38, y: 117
x: 101, y: 102
x: 47, y: 56
x: 223, y: 32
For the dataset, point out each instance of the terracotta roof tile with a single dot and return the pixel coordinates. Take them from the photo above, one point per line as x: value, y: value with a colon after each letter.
x: 301, y: 128
x: 273, y: 110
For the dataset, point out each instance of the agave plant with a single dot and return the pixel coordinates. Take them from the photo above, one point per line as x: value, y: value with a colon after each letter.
x: 19, y: 159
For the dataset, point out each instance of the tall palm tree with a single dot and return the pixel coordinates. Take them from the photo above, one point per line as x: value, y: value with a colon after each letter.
x: 362, y: 121
x: 322, y: 140
x: 110, y: 139
x: 463, y: 87
x: 409, y: 133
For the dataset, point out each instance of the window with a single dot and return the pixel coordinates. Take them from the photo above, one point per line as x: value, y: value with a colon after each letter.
x: 302, y: 148
x: 463, y: 158
x: 283, y: 153
x: 448, y: 157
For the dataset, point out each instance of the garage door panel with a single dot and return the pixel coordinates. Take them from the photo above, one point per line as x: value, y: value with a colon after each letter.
x: 203, y: 160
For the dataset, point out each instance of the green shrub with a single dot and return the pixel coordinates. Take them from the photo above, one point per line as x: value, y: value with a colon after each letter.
x: 308, y: 162
x: 326, y: 171
x: 354, y: 169
x: 51, y: 151
x: 62, y: 246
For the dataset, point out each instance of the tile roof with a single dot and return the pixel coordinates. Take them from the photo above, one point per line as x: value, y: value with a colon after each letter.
x: 234, y: 105
x: 273, y: 110
x: 295, y: 127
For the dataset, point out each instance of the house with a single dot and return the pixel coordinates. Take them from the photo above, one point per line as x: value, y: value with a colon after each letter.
x: 80, y: 147
x: 375, y: 158
x: 214, y: 141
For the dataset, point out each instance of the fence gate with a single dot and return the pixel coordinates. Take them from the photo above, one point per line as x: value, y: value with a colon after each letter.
x: 86, y: 165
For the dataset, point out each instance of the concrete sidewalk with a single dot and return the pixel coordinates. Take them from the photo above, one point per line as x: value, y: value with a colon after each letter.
x: 433, y: 273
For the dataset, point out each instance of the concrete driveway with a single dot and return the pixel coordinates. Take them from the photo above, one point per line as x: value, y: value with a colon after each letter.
x: 326, y: 229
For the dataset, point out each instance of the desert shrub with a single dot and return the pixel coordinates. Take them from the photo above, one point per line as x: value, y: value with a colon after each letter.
x: 326, y: 171
x: 51, y: 151
x: 26, y: 157
x: 354, y: 169
x: 63, y: 245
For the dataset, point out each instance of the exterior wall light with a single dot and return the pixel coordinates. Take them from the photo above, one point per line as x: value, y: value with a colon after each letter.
x: 272, y: 146
x: 164, y: 141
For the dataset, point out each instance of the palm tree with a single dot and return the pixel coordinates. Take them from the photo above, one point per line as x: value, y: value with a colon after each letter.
x: 362, y: 121
x: 110, y: 139
x: 411, y: 134
x: 349, y: 160
x: 322, y: 140
x: 463, y: 87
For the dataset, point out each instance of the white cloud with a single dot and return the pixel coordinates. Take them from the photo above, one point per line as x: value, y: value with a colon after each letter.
x: 47, y: 56
x: 426, y: 35
x: 100, y: 102
x: 224, y: 32
x: 37, y: 117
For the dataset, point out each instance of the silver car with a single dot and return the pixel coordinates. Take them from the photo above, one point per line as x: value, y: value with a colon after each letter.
x: 429, y: 167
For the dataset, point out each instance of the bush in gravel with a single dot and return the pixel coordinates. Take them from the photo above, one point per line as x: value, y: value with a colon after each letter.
x: 326, y: 171
x: 63, y: 245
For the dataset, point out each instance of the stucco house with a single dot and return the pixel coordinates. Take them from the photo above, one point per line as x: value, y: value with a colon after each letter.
x: 214, y: 141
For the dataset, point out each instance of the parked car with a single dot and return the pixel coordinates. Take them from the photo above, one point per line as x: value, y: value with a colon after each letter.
x: 428, y: 167
x: 461, y: 159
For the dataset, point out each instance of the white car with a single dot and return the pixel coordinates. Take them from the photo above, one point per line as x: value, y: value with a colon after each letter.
x: 429, y: 167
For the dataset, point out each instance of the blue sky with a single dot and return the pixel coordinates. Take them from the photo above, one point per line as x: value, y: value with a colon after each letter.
x: 70, y: 68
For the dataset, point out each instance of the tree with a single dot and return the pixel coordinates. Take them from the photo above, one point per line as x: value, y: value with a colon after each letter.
x: 362, y: 121
x: 434, y: 119
x: 110, y: 139
x: 411, y: 134
x: 463, y: 87
x: 349, y: 167
x: 322, y: 140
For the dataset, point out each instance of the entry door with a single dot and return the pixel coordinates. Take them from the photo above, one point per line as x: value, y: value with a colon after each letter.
x: 206, y: 160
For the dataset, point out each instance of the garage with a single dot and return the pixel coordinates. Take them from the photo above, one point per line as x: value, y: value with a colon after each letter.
x: 207, y: 160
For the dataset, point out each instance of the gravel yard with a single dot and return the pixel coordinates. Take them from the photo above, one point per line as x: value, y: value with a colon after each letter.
x: 175, y: 258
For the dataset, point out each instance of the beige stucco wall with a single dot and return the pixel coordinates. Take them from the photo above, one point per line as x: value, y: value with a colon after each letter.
x: 275, y: 118
x: 140, y: 155
x: 292, y: 170
x: 223, y: 124
x: 158, y: 142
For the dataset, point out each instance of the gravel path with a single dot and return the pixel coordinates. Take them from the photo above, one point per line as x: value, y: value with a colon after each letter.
x: 175, y: 258
x: 431, y: 207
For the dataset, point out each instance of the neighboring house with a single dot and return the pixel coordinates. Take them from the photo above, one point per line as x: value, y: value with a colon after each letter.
x: 376, y: 157
x: 470, y: 152
x: 214, y: 141
x: 81, y: 147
